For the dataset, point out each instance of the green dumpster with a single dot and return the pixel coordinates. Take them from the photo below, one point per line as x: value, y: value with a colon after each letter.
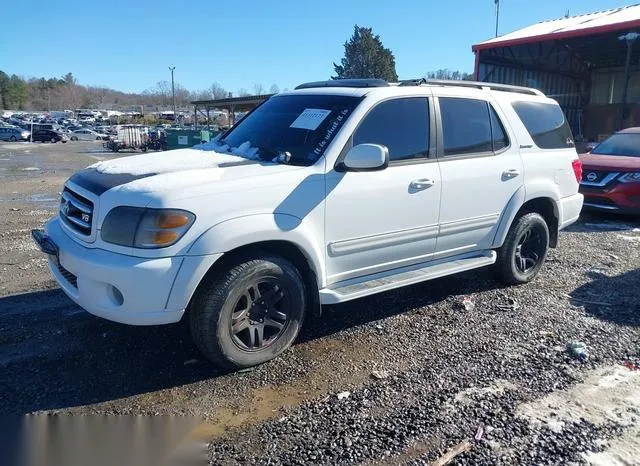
x: 182, y: 138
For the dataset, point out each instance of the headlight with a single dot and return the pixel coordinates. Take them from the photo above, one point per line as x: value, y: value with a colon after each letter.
x: 630, y: 177
x: 139, y: 227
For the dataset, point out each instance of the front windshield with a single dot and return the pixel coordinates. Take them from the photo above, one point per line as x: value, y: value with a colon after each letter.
x: 627, y: 144
x: 294, y: 129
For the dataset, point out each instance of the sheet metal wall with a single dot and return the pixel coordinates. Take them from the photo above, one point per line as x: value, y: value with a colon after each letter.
x: 569, y: 92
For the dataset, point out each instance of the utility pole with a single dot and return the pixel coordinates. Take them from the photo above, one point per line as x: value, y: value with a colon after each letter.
x: 630, y: 38
x: 173, y: 91
x: 497, y: 2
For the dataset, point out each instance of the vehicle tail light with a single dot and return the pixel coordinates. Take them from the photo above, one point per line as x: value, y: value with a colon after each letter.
x: 577, y: 169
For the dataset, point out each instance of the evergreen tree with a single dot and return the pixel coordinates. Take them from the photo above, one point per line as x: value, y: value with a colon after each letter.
x: 4, y: 90
x: 366, y: 57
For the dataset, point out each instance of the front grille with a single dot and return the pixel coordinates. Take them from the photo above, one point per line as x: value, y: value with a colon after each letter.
x: 68, y: 276
x: 594, y: 176
x: 76, y: 211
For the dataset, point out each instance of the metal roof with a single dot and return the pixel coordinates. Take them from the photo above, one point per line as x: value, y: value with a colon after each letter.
x: 618, y: 19
x: 238, y: 103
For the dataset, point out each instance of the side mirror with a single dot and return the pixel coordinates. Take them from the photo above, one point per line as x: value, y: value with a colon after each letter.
x: 366, y: 157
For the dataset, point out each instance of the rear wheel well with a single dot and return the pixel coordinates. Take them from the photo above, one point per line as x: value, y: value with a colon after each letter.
x: 283, y: 249
x: 547, y: 208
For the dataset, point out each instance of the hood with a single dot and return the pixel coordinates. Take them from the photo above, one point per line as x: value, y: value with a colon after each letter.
x: 610, y: 162
x: 170, y: 171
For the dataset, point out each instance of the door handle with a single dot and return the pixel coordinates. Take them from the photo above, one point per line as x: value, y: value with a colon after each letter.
x: 422, y: 183
x: 511, y: 173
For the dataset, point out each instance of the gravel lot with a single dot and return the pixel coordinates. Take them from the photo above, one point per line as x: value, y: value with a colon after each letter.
x: 399, y: 378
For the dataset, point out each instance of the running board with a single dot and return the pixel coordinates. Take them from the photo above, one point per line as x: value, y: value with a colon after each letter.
x: 384, y: 281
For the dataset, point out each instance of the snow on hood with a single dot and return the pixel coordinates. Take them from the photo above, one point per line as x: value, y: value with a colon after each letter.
x: 202, y: 156
x: 177, y: 169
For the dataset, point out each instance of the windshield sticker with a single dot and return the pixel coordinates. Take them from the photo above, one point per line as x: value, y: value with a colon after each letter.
x: 310, y: 118
x: 322, y: 144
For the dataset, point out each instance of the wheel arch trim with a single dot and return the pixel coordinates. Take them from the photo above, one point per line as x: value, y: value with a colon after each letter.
x: 518, y: 203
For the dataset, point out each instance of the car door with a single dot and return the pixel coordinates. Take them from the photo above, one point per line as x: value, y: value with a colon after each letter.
x: 481, y: 171
x: 385, y: 219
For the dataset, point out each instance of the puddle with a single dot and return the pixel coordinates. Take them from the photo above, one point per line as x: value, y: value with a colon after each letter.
x: 268, y: 402
x: 42, y: 197
x: 615, y: 226
x: 629, y: 238
x: 46, y: 200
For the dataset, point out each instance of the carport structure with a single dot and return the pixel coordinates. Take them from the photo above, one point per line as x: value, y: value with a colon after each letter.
x: 589, y: 63
x: 230, y: 104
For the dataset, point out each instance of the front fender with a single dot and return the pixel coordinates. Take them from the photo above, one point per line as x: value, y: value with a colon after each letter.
x: 243, y: 231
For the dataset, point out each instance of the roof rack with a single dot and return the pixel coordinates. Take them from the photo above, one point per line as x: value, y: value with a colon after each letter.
x: 475, y: 84
x: 345, y: 83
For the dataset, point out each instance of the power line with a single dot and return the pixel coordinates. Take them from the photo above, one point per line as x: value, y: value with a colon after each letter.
x: 497, y: 3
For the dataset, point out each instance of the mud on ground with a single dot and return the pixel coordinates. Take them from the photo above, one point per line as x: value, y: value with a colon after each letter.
x: 417, y: 375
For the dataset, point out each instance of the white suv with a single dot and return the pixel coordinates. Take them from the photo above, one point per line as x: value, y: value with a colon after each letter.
x: 321, y: 195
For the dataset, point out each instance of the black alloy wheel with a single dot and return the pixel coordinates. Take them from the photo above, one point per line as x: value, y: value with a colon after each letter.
x: 261, y: 315
x: 524, y: 250
x: 530, y: 249
x: 249, y: 313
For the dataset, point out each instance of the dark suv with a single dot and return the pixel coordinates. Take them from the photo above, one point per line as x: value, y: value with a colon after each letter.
x: 45, y: 135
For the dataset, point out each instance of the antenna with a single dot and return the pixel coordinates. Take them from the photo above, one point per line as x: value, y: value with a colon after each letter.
x: 497, y: 3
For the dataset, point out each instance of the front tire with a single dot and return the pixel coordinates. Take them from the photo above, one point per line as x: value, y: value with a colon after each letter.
x: 524, y: 250
x: 250, y: 314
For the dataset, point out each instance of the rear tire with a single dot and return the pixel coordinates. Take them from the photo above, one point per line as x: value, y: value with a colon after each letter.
x: 524, y: 250
x: 249, y: 314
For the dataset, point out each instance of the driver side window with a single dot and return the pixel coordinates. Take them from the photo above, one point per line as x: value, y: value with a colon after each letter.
x: 402, y: 125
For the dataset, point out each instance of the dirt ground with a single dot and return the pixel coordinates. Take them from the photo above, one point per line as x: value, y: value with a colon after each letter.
x: 399, y: 378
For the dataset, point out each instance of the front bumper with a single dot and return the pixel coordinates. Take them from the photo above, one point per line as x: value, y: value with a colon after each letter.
x: 618, y: 198
x: 117, y: 287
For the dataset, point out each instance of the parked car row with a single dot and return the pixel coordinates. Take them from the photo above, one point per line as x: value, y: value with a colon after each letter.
x: 46, y: 132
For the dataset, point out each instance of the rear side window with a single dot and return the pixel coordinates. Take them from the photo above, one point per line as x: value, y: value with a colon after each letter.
x: 546, y: 124
x: 402, y: 125
x: 498, y: 134
x: 470, y: 126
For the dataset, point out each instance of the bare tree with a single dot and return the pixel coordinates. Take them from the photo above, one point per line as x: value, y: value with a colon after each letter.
x: 449, y: 74
x: 258, y: 89
x: 218, y: 92
x: 242, y: 92
x: 274, y: 89
x: 164, y: 92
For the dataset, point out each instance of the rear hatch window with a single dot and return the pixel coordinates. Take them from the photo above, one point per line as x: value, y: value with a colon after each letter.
x: 546, y: 124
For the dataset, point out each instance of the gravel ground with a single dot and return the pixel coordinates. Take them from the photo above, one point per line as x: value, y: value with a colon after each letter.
x: 423, y: 374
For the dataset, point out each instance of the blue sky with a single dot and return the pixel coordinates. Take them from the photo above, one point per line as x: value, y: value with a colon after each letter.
x: 129, y: 45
